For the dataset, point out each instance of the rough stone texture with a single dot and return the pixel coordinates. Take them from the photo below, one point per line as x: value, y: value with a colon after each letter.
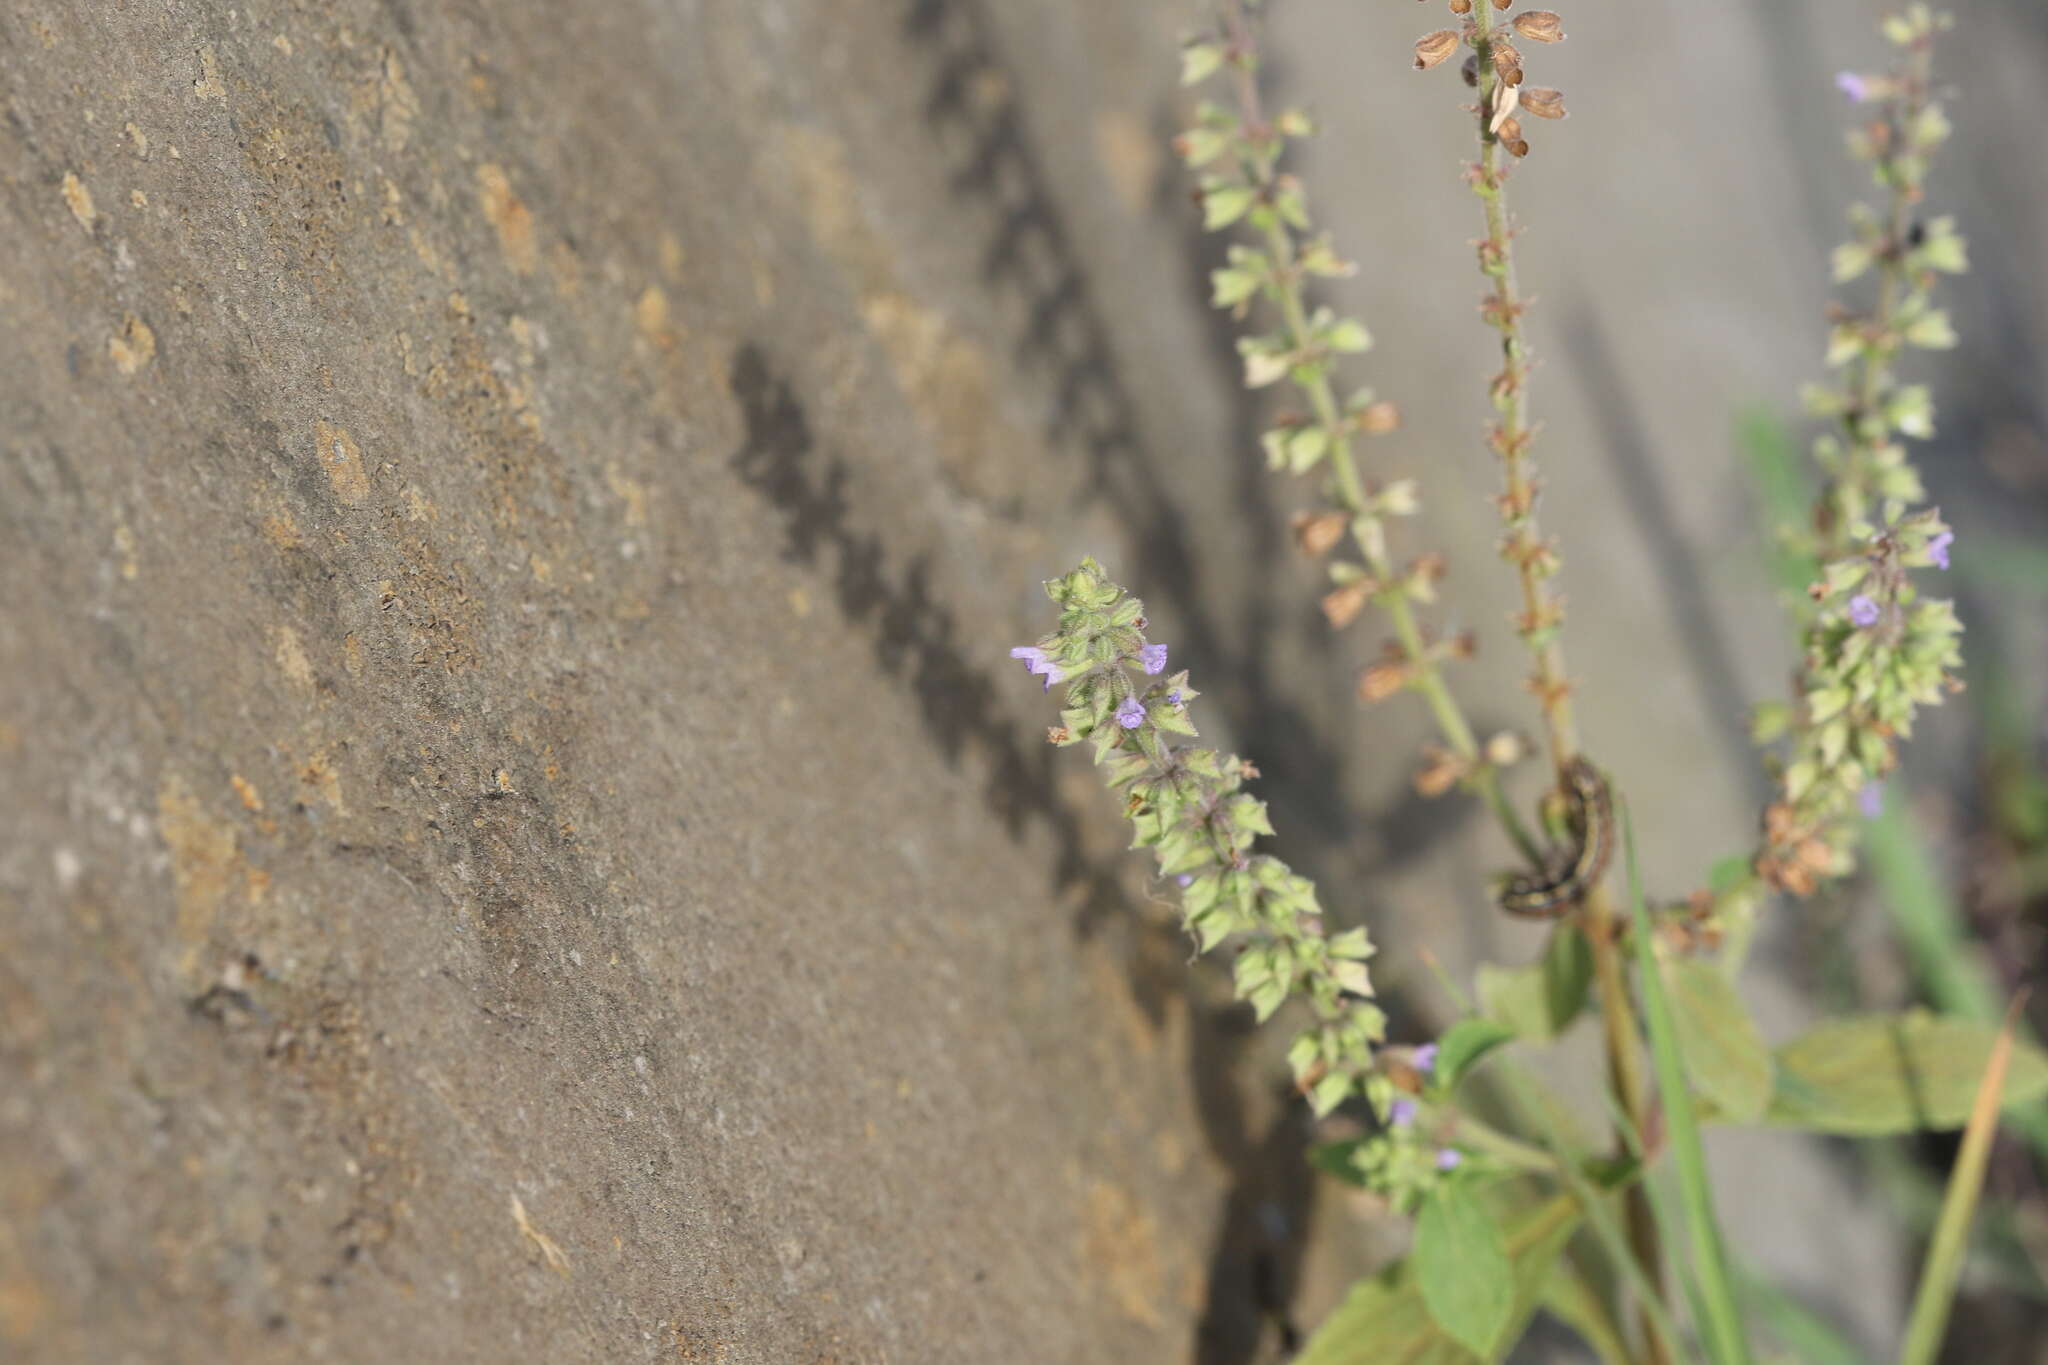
x: 520, y: 837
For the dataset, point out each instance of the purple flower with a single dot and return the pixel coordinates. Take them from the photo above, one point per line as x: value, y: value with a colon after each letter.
x: 1401, y: 1113
x: 1863, y: 611
x: 1186, y: 879
x: 1937, y: 548
x: 1856, y: 87
x: 1130, y: 715
x: 1449, y: 1158
x: 1424, y: 1058
x: 1037, y: 660
x: 1871, y: 799
x: 1153, y: 657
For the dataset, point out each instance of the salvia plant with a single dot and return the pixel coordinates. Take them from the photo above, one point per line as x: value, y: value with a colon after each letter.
x: 1511, y: 1213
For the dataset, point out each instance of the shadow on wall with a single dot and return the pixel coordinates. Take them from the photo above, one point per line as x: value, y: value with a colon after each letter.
x: 1061, y: 342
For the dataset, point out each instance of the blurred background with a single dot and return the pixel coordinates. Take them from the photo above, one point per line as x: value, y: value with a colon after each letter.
x: 521, y: 829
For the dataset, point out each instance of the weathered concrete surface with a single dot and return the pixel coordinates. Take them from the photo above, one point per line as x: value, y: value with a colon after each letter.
x: 520, y: 837
x: 514, y: 843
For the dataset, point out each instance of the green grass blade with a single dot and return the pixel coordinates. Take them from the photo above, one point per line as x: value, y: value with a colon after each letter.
x: 1809, y: 1337
x: 1783, y: 488
x: 1722, y: 1319
x: 1937, y: 1291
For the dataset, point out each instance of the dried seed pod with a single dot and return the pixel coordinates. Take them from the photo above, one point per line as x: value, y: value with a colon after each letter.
x: 1507, y: 62
x: 1470, y: 72
x: 1317, y: 532
x: 1539, y: 26
x: 1342, y: 606
x: 1517, y: 146
x: 1510, y: 131
x: 1383, y: 680
x: 1543, y: 102
x: 1432, y: 48
x: 1379, y: 418
x: 1461, y: 6
x: 1502, y: 4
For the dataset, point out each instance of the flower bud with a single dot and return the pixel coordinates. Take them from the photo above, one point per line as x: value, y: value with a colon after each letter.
x: 1543, y: 102
x: 1317, y: 532
x: 1432, y: 48
x: 1506, y: 749
x: 1539, y: 26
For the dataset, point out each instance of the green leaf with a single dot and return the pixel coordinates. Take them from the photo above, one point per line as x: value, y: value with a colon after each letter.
x: 1725, y: 1056
x: 1385, y: 1319
x: 1576, y: 1303
x: 1462, y: 1267
x: 1539, y: 1001
x: 1464, y: 1043
x: 1881, y: 1073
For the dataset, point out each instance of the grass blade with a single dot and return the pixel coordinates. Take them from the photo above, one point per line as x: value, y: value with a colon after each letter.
x: 1952, y: 1233
x: 1721, y: 1319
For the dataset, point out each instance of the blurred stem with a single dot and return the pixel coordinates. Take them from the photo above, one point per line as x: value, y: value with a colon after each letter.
x: 1542, y: 617
x: 1424, y: 675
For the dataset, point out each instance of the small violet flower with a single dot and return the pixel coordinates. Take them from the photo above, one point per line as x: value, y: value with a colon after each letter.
x: 1130, y: 715
x: 1856, y: 87
x: 1186, y: 879
x: 1863, y: 611
x: 1401, y: 1113
x: 1449, y: 1159
x: 1871, y: 799
x: 1153, y: 657
x: 1037, y: 660
x: 1424, y: 1058
x: 1937, y: 548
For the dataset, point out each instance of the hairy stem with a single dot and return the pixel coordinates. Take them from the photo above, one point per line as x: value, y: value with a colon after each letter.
x: 1425, y: 677
x: 1542, y: 615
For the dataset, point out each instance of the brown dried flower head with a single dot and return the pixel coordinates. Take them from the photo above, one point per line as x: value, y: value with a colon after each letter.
x: 1432, y: 48
x: 1461, y: 6
x: 1539, y: 26
x: 1543, y: 102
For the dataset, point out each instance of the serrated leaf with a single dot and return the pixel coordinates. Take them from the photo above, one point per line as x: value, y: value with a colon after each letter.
x: 1726, y: 1058
x: 1881, y: 1073
x: 1384, y: 1318
x: 1464, y: 1044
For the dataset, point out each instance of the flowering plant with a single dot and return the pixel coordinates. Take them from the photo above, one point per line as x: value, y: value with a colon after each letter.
x: 1508, y: 1220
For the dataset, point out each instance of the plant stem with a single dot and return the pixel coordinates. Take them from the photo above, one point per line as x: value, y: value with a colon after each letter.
x: 1848, y: 497
x: 1542, y: 615
x: 1424, y: 675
